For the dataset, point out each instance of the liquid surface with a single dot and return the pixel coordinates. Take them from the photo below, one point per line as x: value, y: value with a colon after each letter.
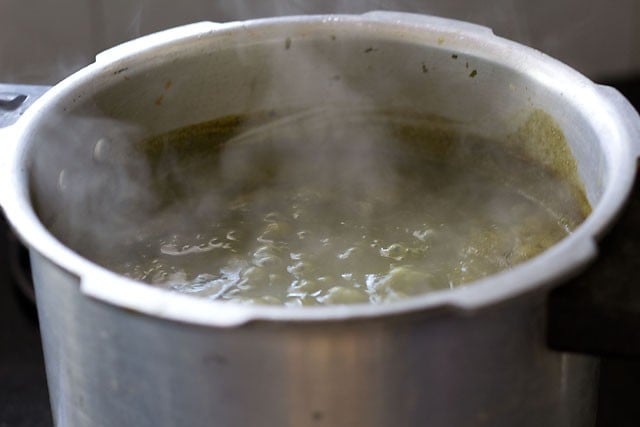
x: 339, y: 208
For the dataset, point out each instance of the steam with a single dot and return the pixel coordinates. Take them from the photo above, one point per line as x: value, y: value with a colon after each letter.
x: 324, y: 184
x: 40, y: 46
x: 318, y: 186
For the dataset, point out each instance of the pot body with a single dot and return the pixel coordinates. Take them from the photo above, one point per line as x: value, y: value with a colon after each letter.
x: 111, y: 367
x: 120, y: 353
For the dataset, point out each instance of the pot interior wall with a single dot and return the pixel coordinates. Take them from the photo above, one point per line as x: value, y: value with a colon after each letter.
x: 81, y: 155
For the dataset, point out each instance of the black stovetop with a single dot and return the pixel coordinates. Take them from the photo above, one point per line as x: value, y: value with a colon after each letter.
x: 24, y: 401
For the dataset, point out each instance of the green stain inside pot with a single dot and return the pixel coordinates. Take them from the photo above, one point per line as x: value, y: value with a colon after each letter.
x: 346, y: 206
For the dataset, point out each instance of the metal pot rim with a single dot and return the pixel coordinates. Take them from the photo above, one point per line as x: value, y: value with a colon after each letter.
x: 617, y: 122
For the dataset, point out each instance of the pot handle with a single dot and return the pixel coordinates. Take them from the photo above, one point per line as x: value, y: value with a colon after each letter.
x: 14, y: 100
x: 598, y: 312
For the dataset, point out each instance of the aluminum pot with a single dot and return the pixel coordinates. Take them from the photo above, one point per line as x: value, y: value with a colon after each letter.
x: 121, y: 353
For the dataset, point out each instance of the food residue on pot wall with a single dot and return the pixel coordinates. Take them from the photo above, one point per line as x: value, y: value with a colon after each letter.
x: 541, y: 139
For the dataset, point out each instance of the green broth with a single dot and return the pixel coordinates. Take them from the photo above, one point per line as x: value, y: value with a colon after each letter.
x: 343, y: 207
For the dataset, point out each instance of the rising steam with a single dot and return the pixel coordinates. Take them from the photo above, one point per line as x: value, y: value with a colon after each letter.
x: 329, y: 184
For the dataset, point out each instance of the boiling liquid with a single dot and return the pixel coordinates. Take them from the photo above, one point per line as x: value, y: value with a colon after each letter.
x: 327, y: 208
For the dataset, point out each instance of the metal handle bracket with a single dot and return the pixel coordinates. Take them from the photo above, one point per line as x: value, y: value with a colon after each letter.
x: 598, y: 313
x: 15, y: 99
